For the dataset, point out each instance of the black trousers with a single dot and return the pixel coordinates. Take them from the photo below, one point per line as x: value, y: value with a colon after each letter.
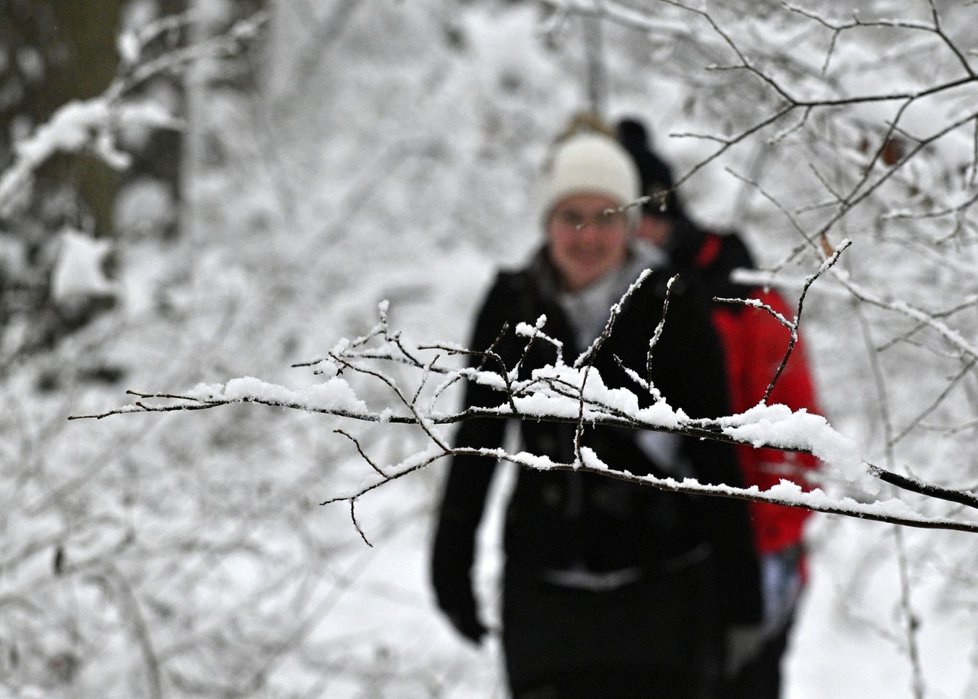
x: 653, y: 638
x: 761, y: 678
x: 621, y: 682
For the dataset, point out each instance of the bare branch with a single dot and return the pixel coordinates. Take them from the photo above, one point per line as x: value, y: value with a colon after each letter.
x: 360, y: 451
x: 929, y: 489
x: 587, y: 357
x: 656, y: 335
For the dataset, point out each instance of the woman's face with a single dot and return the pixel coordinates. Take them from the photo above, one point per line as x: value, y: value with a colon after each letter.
x: 588, y: 238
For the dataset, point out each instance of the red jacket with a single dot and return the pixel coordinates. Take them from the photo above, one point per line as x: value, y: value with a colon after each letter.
x: 755, y: 343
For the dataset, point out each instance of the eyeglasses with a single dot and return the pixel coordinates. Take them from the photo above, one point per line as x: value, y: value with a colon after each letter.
x: 571, y: 219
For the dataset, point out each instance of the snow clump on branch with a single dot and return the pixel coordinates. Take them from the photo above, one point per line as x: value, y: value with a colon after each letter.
x: 335, y: 394
x: 779, y: 426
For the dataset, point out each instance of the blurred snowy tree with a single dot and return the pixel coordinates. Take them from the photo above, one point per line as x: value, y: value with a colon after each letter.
x: 388, y: 154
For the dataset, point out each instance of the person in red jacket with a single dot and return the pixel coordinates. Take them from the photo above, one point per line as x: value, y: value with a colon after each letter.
x: 754, y: 344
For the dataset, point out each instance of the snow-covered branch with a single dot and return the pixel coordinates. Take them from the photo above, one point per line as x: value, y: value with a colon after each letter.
x: 576, y: 394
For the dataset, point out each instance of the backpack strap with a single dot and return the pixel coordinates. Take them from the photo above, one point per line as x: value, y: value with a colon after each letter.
x: 708, y: 251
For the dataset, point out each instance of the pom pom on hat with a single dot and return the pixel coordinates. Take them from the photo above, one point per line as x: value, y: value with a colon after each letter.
x: 655, y: 173
x: 589, y: 163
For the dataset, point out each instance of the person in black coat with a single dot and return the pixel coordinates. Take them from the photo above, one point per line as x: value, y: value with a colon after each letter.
x: 609, y: 588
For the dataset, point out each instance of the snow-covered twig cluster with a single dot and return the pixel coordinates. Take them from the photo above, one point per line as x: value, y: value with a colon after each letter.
x: 570, y: 393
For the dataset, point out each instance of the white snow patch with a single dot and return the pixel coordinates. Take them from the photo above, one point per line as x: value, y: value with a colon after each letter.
x: 78, y: 271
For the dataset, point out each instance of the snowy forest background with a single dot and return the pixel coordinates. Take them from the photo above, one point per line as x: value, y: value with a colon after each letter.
x: 336, y: 154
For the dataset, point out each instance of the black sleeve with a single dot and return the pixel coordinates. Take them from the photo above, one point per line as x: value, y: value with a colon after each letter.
x: 469, y: 477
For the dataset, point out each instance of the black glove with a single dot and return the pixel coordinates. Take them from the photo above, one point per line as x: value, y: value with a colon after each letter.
x: 451, y: 565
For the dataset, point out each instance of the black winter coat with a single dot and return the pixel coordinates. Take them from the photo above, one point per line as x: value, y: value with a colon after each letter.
x: 559, y: 520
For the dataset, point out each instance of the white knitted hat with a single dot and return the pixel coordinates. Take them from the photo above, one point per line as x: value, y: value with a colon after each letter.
x: 589, y: 163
